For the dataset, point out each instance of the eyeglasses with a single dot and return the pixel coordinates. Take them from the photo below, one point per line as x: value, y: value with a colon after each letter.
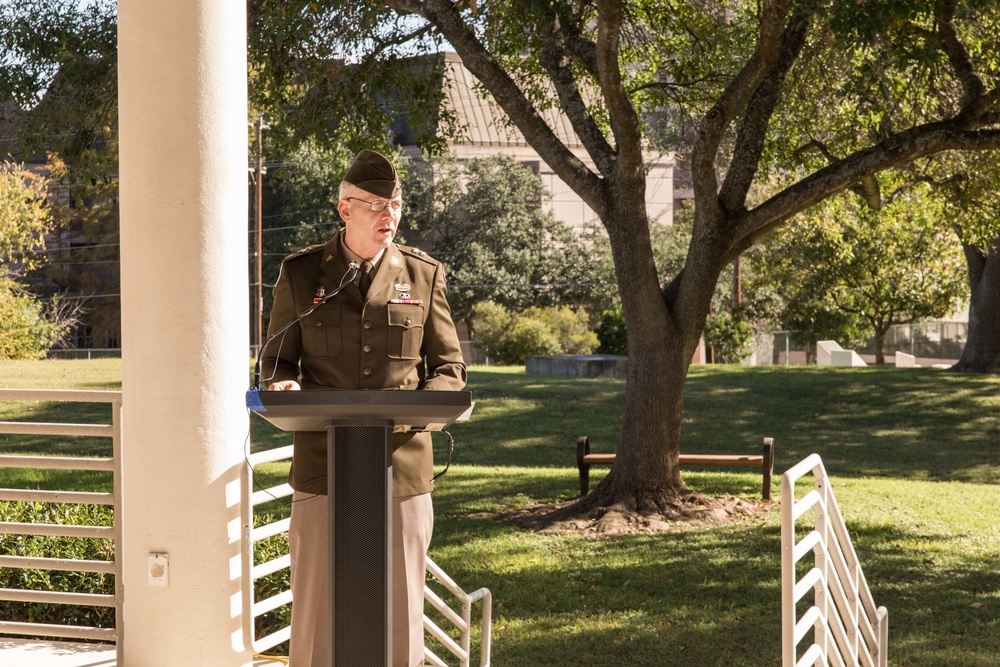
x: 379, y: 204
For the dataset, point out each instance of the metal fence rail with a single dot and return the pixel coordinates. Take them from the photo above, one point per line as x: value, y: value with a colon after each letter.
x: 113, y: 499
x: 463, y: 621
x: 252, y: 608
x: 847, y: 629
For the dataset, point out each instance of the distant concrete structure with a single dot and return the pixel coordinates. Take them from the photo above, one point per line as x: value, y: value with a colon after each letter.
x: 581, y: 366
x: 829, y: 353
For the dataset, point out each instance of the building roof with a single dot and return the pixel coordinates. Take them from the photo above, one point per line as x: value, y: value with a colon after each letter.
x: 479, y: 119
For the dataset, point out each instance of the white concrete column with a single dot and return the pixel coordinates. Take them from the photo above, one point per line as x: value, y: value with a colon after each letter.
x: 185, y: 333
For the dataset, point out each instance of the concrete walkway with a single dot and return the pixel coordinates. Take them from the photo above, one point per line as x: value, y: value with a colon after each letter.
x: 34, y: 653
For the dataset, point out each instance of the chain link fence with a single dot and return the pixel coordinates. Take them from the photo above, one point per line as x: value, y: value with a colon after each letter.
x: 929, y: 342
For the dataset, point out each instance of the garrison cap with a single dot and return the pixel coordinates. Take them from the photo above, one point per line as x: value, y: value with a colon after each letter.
x: 373, y: 173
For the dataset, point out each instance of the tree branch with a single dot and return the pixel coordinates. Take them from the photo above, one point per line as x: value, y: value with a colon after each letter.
x: 759, y: 109
x: 868, y: 188
x: 898, y: 149
x: 581, y: 48
x: 732, y: 102
x: 624, y: 120
x: 972, y: 86
x: 508, y: 95
x: 552, y: 59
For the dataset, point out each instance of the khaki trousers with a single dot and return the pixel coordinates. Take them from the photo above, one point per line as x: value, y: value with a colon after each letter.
x: 412, y: 526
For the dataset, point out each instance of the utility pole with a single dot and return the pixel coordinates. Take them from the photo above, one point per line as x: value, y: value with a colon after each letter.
x: 258, y: 328
x: 737, y: 283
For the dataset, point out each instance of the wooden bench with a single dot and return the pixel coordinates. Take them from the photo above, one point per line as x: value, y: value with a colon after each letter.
x: 764, y: 461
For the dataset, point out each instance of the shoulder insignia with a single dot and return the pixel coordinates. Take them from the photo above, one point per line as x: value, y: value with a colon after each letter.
x: 305, y: 251
x: 416, y: 252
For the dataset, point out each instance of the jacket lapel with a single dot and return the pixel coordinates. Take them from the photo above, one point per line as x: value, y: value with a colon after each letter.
x: 335, y: 265
x: 388, y: 272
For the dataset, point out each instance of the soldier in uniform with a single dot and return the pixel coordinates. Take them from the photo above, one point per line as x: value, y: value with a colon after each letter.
x: 389, y: 329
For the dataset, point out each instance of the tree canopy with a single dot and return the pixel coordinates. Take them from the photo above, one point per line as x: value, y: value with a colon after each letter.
x: 487, y: 223
x: 849, y: 272
x: 776, y: 106
x: 59, y: 81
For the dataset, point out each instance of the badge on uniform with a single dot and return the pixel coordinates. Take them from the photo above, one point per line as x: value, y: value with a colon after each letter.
x: 320, y: 293
x: 404, y: 290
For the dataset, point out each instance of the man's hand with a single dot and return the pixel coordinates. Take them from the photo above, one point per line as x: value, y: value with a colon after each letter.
x: 284, y: 385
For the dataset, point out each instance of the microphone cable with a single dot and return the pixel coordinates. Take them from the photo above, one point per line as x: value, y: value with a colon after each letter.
x: 352, y: 272
x: 450, y: 448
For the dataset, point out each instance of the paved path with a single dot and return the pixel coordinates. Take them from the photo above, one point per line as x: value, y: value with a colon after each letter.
x: 33, y: 653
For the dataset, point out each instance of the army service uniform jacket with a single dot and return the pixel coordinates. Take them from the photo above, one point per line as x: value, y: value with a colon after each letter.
x: 401, y: 337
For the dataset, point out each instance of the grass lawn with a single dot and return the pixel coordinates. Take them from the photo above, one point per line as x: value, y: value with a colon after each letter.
x: 915, y: 457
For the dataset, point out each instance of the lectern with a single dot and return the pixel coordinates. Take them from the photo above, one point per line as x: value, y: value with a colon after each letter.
x: 359, y: 427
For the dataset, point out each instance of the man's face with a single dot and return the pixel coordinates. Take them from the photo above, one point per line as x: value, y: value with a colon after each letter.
x: 368, y: 232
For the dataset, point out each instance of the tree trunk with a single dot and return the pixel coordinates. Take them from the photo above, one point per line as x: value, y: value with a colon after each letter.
x: 879, y: 346
x: 646, y: 475
x: 982, y: 349
x: 663, y: 333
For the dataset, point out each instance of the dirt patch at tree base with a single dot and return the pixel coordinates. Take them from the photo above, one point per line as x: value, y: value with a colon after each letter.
x: 694, y: 510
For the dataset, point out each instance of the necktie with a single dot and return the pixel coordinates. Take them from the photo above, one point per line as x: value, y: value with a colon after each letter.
x: 365, y: 281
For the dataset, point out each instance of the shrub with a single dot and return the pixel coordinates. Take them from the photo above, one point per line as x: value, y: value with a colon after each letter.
x: 730, y: 336
x: 25, y: 331
x: 270, y: 585
x: 77, y: 548
x: 509, y: 338
x: 612, y: 333
x: 571, y: 327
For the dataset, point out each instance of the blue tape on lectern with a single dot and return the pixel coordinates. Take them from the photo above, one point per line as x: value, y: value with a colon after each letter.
x: 253, y: 401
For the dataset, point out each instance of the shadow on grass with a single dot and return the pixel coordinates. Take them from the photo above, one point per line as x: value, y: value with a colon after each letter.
x: 705, y: 596
x: 59, y: 413
x: 685, y: 598
x: 910, y: 423
x: 942, y: 598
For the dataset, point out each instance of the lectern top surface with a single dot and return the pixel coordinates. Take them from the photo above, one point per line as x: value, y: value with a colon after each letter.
x: 312, y: 410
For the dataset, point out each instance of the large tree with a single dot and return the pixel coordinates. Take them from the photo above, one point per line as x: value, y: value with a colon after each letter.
x: 969, y: 186
x: 870, y: 85
x: 58, y: 105
x: 59, y: 82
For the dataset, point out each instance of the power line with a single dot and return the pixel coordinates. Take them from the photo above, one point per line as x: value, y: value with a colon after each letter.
x: 285, y: 214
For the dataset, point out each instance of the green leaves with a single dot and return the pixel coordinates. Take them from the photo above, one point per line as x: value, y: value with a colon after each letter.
x: 24, y: 218
x: 59, y: 69
x: 849, y: 272
x: 497, y: 240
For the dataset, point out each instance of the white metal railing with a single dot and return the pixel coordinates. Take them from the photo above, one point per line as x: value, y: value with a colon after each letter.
x: 114, y: 499
x: 847, y: 628
x: 463, y: 621
x: 253, y: 608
